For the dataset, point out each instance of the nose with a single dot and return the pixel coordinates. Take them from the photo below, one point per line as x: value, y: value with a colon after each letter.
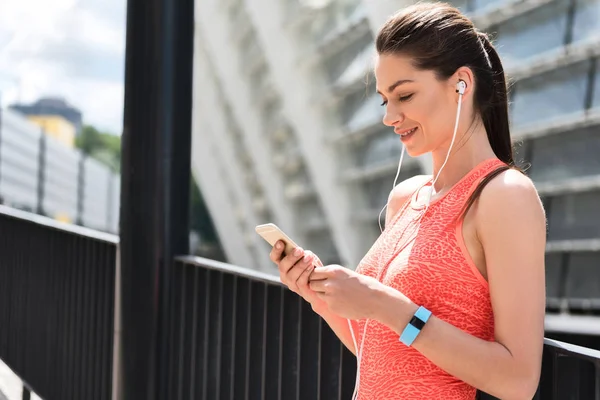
x: 391, y: 118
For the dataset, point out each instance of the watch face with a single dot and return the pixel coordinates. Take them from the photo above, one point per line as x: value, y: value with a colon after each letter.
x: 417, y: 322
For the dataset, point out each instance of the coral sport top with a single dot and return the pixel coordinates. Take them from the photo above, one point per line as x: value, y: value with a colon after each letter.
x: 432, y: 267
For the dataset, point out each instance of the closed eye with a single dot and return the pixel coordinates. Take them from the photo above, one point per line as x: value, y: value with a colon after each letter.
x: 406, y: 98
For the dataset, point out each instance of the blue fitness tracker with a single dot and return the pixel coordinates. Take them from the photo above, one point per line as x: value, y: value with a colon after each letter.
x: 415, y: 325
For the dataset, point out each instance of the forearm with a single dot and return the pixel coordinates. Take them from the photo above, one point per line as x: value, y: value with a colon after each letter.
x: 488, y: 366
x: 339, y: 326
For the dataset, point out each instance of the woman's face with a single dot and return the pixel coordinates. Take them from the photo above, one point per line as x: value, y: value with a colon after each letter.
x: 421, y: 108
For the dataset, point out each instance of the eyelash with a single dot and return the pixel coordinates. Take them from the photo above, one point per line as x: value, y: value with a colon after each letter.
x: 405, y: 98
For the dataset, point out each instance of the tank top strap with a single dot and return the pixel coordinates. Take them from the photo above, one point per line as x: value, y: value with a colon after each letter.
x: 462, y: 191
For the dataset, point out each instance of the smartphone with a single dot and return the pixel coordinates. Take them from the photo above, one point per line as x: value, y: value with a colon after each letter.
x: 271, y: 233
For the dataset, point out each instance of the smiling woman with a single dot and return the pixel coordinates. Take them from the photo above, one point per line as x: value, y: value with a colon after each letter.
x: 450, y: 298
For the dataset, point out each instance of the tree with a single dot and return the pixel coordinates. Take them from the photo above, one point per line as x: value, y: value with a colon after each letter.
x: 202, y: 223
x: 101, y: 146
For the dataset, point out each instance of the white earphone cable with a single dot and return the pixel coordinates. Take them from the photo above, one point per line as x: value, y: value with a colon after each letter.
x: 359, y: 352
x: 395, y: 179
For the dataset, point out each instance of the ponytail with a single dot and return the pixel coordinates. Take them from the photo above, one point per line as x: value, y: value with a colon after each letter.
x: 495, y: 120
x: 495, y: 115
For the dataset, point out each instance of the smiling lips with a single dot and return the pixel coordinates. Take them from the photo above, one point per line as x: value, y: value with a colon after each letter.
x: 405, y: 132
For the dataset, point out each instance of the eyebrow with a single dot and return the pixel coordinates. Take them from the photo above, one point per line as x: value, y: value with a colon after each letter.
x: 393, y: 86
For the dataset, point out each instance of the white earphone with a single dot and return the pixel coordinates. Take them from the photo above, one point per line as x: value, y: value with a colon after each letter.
x: 461, y: 86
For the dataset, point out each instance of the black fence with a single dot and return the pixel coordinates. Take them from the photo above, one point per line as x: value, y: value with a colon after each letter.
x: 233, y: 333
x: 569, y: 372
x: 57, y: 291
x: 239, y: 334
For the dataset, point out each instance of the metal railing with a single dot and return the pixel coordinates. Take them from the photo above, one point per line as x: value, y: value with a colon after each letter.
x: 57, y: 292
x: 239, y: 334
x: 569, y: 372
x: 234, y: 333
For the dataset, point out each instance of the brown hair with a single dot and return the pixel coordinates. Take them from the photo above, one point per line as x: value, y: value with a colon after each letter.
x: 440, y: 38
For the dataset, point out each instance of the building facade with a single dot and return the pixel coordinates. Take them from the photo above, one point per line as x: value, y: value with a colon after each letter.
x: 288, y: 128
x: 51, y: 106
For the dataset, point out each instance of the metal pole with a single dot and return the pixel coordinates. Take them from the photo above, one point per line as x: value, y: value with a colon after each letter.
x: 1, y: 200
x: 155, y: 184
x: 41, y: 172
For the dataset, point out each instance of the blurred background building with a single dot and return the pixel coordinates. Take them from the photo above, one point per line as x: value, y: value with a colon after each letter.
x: 287, y: 129
x: 42, y: 171
x: 288, y: 126
x: 56, y: 111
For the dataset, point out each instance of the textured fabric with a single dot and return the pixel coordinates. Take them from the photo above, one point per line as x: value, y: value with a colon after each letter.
x: 431, y: 266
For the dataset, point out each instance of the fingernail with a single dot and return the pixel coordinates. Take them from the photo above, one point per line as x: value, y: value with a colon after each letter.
x: 278, y: 246
x: 298, y: 251
x: 307, y: 260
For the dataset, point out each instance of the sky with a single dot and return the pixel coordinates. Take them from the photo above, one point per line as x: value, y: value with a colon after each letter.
x: 74, y: 49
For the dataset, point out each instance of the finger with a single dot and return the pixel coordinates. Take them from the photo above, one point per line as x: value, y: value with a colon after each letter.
x: 316, y: 260
x: 290, y: 260
x: 277, y: 252
x: 321, y: 273
x: 319, y: 286
x: 302, y: 281
x: 297, y: 270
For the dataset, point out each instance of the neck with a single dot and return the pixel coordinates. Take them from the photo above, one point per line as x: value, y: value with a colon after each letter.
x: 468, y: 151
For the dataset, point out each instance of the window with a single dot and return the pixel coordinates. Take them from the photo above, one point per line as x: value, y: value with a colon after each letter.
x: 565, y: 155
x: 540, y: 30
x: 596, y: 88
x: 478, y: 5
x: 553, y: 279
x: 351, y: 60
x: 368, y: 113
x: 462, y: 5
x: 586, y: 23
x: 357, y: 69
x: 583, y: 280
x: 550, y: 95
x: 574, y: 216
x: 310, y: 211
x: 380, y: 149
x: 321, y: 243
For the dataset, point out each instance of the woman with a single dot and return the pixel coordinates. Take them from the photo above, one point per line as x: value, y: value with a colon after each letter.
x: 451, y: 296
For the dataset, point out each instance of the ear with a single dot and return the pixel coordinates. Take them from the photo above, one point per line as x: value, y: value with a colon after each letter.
x: 463, y: 74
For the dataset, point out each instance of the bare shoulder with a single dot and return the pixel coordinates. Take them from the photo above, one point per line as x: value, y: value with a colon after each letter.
x: 512, y: 186
x: 511, y: 197
x: 402, y: 192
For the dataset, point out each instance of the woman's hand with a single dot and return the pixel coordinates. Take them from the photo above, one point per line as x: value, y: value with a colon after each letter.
x: 352, y: 295
x: 294, y: 271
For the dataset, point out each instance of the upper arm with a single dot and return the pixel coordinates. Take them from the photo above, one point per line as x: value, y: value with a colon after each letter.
x: 511, y: 226
x: 402, y: 192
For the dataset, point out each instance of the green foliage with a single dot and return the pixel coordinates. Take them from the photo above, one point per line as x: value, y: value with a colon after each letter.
x: 200, y: 220
x: 102, y: 146
x: 202, y: 223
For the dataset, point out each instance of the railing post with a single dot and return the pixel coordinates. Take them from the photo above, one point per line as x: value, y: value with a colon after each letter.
x: 80, y: 188
x: 155, y: 184
x: 42, y: 157
x: 1, y: 199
